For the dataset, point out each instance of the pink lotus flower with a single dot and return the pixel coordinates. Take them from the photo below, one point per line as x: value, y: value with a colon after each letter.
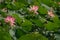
x: 34, y: 9
x: 10, y: 20
x: 50, y: 13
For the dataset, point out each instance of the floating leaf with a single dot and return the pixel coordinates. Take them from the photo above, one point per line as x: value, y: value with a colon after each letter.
x: 4, y: 35
x: 33, y: 36
x: 26, y: 25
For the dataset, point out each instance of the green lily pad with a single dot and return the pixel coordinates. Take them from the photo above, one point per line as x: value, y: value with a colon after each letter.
x: 33, y: 36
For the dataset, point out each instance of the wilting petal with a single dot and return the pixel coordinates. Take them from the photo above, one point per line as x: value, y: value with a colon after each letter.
x: 50, y: 13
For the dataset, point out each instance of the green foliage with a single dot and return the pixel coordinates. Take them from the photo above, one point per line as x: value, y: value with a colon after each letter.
x: 19, y: 33
x: 33, y: 36
x: 26, y: 25
x: 42, y: 10
x: 4, y: 35
x: 53, y: 25
x: 37, y: 22
x: 30, y: 23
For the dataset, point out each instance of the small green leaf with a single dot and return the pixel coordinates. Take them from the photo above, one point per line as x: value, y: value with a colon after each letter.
x: 19, y: 33
x: 42, y: 10
x: 26, y: 25
x: 51, y: 26
x: 37, y: 22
